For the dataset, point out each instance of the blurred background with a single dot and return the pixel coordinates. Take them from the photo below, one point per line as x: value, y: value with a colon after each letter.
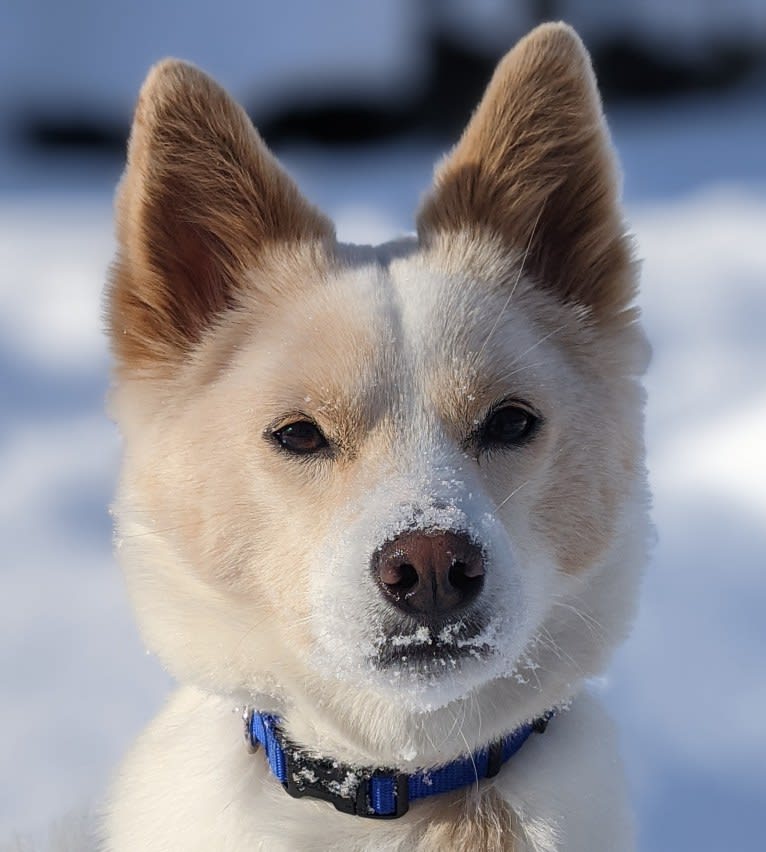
x: 358, y: 100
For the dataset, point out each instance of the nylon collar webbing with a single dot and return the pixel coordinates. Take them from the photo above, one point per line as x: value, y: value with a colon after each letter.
x: 375, y: 793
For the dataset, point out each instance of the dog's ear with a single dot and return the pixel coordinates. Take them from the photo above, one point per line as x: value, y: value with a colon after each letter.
x: 535, y: 168
x: 200, y: 199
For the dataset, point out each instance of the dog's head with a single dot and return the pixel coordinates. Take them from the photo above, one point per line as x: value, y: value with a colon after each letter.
x: 380, y: 481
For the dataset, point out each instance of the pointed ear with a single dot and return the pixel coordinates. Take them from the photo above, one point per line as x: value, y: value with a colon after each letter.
x: 535, y: 168
x: 200, y: 199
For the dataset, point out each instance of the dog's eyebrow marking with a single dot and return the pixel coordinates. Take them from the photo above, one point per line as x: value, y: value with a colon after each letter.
x: 515, y: 284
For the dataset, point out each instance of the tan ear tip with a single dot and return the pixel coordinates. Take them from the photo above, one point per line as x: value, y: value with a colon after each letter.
x: 171, y: 79
x: 556, y: 36
x: 170, y: 73
x: 172, y: 82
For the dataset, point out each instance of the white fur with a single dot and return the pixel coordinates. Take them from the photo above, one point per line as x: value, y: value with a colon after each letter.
x: 189, y: 783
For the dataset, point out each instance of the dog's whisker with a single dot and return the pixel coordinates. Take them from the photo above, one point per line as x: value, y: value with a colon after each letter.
x: 505, y: 376
x: 290, y: 624
x: 554, y: 646
x: 469, y: 752
x: 448, y: 735
x: 160, y: 531
x: 542, y: 340
x: 429, y: 739
x: 515, y: 370
x: 588, y: 620
x: 512, y: 494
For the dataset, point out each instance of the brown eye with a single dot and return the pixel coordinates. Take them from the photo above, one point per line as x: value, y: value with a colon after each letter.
x: 302, y: 437
x: 508, y: 426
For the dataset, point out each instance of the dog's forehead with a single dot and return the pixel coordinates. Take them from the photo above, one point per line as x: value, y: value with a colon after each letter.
x: 401, y: 327
x: 445, y: 311
x: 460, y: 312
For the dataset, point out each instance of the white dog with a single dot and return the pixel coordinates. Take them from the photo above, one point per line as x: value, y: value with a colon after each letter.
x: 391, y: 499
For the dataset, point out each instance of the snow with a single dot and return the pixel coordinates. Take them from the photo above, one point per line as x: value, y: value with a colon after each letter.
x: 688, y: 688
x: 422, y: 636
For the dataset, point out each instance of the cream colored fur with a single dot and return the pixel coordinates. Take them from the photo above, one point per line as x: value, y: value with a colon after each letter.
x: 233, y: 310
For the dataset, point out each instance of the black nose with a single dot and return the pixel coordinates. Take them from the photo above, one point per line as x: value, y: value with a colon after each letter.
x: 429, y: 574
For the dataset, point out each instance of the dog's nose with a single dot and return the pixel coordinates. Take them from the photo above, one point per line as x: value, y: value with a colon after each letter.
x: 430, y: 574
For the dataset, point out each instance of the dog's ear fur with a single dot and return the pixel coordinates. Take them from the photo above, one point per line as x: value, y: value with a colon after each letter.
x: 535, y: 168
x: 200, y: 198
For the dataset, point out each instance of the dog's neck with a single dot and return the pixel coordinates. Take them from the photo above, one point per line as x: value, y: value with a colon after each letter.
x: 374, y: 792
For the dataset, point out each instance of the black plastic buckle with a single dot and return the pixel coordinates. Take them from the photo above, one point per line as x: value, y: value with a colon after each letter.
x: 321, y: 779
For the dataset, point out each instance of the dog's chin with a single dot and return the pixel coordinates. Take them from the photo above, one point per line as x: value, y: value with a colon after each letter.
x: 429, y: 658
x: 425, y: 666
x: 417, y: 666
x: 423, y: 649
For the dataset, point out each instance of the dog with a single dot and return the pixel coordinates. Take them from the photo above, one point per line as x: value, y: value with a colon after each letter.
x: 387, y: 505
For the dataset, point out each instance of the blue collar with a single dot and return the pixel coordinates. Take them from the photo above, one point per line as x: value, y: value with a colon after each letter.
x: 374, y: 793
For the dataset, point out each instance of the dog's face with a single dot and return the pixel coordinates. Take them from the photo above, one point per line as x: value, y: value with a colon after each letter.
x: 381, y: 480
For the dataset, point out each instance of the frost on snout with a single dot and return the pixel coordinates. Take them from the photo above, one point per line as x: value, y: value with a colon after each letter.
x: 420, y: 592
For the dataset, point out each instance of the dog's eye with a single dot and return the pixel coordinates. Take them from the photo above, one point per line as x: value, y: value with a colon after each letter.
x: 508, y: 426
x: 302, y: 437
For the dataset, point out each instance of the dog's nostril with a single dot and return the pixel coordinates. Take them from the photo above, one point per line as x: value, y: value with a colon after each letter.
x: 399, y: 578
x: 463, y: 576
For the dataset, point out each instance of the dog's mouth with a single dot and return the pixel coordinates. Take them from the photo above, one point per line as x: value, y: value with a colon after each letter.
x: 431, y: 648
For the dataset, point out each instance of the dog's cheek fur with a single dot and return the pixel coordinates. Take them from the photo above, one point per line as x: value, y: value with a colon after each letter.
x: 210, y: 511
x: 184, y: 550
x: 202, y: 554
x: 593, y: 465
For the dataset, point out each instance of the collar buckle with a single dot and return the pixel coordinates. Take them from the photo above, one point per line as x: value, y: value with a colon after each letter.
x: 349, y: 791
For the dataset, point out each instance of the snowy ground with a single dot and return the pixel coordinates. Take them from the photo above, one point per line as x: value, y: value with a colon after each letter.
x: 688, y: 688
